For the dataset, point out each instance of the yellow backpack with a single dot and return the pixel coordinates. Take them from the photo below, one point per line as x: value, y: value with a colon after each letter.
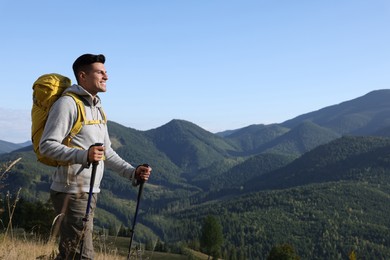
x: 46, y: 90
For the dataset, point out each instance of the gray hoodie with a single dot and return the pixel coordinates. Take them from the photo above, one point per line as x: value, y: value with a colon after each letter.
x: 75, y: 177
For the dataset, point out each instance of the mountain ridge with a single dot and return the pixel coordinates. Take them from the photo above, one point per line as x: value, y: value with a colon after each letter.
x: 348, y: 117
x: 340, y: 117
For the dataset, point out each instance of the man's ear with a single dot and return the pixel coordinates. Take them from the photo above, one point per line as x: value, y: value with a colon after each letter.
x: 82, y: 75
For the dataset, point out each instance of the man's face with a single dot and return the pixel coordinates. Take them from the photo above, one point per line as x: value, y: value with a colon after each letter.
x: 94, y: 79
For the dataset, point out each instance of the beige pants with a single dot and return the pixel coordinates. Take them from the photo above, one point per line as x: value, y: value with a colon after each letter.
x: 71, y: 226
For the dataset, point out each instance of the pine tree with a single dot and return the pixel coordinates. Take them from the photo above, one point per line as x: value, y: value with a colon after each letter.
x: 211, y: 237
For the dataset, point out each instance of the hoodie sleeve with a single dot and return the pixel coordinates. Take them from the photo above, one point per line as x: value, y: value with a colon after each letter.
x: 62, y: 116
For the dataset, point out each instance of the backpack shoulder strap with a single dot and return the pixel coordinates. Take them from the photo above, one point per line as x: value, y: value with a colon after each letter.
x: 103, y: 115
x: 80, y: 118
x: 97, y: 121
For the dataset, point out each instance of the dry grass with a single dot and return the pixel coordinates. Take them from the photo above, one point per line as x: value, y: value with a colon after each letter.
x: 20, y: 249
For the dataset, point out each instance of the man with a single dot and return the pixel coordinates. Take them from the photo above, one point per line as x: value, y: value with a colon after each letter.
x: 71, y: 181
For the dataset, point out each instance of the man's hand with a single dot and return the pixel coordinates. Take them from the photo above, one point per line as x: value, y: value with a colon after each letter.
x: 95, y: 153
x: 142, y: 172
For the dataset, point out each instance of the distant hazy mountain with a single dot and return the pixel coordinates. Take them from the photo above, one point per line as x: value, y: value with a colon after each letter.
x: 365, y: 115
x: 300, y: 139
x: 6, y: 147
x: 250, y: 138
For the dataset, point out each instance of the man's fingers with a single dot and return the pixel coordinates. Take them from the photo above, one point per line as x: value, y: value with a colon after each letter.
x: 96, y: 153
x: 144, y: 172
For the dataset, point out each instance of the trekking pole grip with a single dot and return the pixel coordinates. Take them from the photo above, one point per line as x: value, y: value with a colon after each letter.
x: 92, y: 183
x: 145, y: 165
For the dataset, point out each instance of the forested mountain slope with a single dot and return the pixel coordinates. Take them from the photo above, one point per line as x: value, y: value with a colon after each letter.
x: 189, y: 146
x: 335, y: 161
x: 310, y: 182
x: 332, y: 200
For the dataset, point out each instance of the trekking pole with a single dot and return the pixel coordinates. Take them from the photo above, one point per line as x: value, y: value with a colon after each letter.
x: 86, y: 217
x: 141, y: 187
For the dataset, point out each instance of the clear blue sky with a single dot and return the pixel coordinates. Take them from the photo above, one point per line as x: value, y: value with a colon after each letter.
x: 220, y: 64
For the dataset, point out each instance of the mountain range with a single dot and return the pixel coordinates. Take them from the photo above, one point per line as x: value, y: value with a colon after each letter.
x: 308, y: 181
x: 6, y: 147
